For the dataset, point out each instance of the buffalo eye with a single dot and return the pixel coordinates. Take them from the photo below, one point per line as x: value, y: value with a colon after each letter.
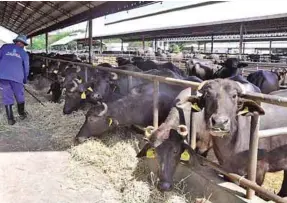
x: 234, y: 96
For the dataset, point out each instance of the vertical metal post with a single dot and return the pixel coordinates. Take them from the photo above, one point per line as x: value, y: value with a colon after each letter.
x: 241, y: 41
x: 101, y: 46
x: 270, y: 49
x: 155, y: 44
x: 31, y: 44
x: 130, y: 82
x: 143, y: 44
x: 46, y: 38
x: 204, y: 47
x: 155, y: 103
x: 192, y: 130
x: 253, y: 151
x: 90, y: 40
x: 198, y: 46
x: 122, y: 47
x: 212, y: 40
x: 243, y: 48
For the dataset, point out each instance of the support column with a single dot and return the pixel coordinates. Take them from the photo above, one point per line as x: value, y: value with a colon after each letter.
x: 241, y: 41
x: 143, y: 44
x: 46, y: 38
x: 270, y: 49
x: 122, y: 47
x: 155, y: 44
x: 31, y: 44
x: 90, y: 40
x: 204, y: 47
x: 101, y: 46
x: 243, y: 48
x: 212, y: 40
x: 198, y: 46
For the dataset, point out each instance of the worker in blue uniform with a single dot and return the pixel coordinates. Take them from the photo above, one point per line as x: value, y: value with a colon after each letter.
x: 14, y: 70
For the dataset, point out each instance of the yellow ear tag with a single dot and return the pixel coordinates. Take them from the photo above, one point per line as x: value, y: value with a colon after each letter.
x: 110, y: 122
x: 185, y: 156
x: 80, y: 81
x: 55, y: 71
x: 244, y: 111
x: 90, y: 89
x: 83, y: 95
x: 150, y: 153
x: 195, y: 106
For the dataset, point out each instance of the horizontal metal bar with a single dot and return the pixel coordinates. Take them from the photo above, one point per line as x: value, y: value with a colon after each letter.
x: 272, y: 132
x: 271, y: 99
x: 244, y: 182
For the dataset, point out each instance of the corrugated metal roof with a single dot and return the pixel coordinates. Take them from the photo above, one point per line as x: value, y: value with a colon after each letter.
x: 37, y: 17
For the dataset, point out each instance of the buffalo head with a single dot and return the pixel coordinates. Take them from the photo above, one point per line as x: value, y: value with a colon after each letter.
x: 97, y: 122
x: 167, y: 153
x: 222, y: 104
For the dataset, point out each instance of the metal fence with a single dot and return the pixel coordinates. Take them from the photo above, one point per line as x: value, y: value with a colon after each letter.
x: 254, y: 135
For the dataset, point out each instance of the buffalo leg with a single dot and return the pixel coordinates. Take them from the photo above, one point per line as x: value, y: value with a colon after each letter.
x: 283, y: 191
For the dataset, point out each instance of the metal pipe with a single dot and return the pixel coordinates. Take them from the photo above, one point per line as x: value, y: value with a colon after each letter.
x: 90, y: 40
x: 244, y: 182
x: 204, y: 47
x: 253, y: 152
x: 270, y: 49
x: 155, y: 103
x: 122, y: 47
x: 143, y: 44
x: 241, y: 41
x: 46, y: 38
x: 212, y: 40
x: 271, y: 99
x: 101, y: 46
x: 130, y: 82
x: 272, y: 132
x: 193, y: 130
x: 31, y: 44
x: 155, y: 44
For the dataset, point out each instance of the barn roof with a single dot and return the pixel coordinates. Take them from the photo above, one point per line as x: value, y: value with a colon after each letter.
x: 38, y: 17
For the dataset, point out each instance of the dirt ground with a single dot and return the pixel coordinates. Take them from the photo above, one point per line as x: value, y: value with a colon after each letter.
x: 38, y: 163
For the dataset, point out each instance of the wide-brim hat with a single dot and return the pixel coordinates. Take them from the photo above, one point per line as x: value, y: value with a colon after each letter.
x: 21, y: 38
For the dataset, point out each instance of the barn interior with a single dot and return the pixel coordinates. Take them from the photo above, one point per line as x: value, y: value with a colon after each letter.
x: 40, y: 160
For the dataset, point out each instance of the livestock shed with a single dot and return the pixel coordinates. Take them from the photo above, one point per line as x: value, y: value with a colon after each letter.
x: 91, y: 130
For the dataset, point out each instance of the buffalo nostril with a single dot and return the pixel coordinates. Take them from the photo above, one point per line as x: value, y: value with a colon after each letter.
x: 164, y: 186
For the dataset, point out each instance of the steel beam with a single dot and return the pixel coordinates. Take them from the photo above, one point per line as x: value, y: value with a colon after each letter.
x: 90, y: 40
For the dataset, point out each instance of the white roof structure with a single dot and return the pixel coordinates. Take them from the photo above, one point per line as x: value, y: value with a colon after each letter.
x: 68, y: 39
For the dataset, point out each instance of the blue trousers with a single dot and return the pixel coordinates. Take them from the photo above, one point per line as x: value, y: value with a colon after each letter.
x: 11, y: 89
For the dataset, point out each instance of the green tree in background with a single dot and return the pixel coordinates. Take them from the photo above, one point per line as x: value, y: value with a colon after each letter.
x: 39, y: 42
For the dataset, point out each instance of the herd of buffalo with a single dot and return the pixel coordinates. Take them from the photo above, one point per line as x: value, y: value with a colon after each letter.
x: 222, y: 116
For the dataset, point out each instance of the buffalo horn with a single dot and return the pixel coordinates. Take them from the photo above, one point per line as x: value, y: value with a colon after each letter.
x: 75, y: 86
x: 78, y: 69
x: 182, y: 130
x: 114, y: 76
x: 148, y: 131
x: 104, y: 111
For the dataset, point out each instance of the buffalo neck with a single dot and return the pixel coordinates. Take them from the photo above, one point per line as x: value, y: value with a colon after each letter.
x: 235, y: 142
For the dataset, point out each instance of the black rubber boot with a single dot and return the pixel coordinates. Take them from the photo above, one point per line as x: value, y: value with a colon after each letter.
x: 9, y: 113
x: 21, y: 111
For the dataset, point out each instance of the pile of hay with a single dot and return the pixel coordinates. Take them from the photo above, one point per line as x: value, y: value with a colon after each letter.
x: 115, y: 156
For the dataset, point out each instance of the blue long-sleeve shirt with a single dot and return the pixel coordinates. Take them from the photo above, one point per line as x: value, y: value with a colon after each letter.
x: 14, y: 63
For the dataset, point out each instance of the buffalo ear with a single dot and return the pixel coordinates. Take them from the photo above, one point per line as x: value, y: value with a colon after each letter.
x: 248, y: 107
x: 144, y: 150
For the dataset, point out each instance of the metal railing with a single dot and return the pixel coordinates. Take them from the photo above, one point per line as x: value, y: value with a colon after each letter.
x: 255, y: 135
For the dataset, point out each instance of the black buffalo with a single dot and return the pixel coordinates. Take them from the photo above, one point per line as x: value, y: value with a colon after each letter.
x: 226, y: 116
x: 267, y: 81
